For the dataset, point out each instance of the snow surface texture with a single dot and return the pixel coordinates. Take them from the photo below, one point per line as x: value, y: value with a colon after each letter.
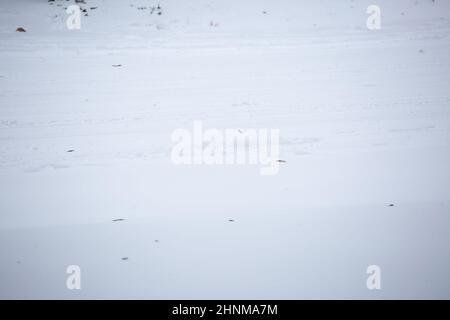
x: 364, y: 118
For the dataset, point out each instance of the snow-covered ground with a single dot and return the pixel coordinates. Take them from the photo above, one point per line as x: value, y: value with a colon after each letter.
x: 86, y: 118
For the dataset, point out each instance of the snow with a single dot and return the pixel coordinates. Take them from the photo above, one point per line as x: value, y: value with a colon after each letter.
x: 364, y: 120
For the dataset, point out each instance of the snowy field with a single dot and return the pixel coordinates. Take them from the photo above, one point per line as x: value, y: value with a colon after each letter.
x: 86, y: 176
